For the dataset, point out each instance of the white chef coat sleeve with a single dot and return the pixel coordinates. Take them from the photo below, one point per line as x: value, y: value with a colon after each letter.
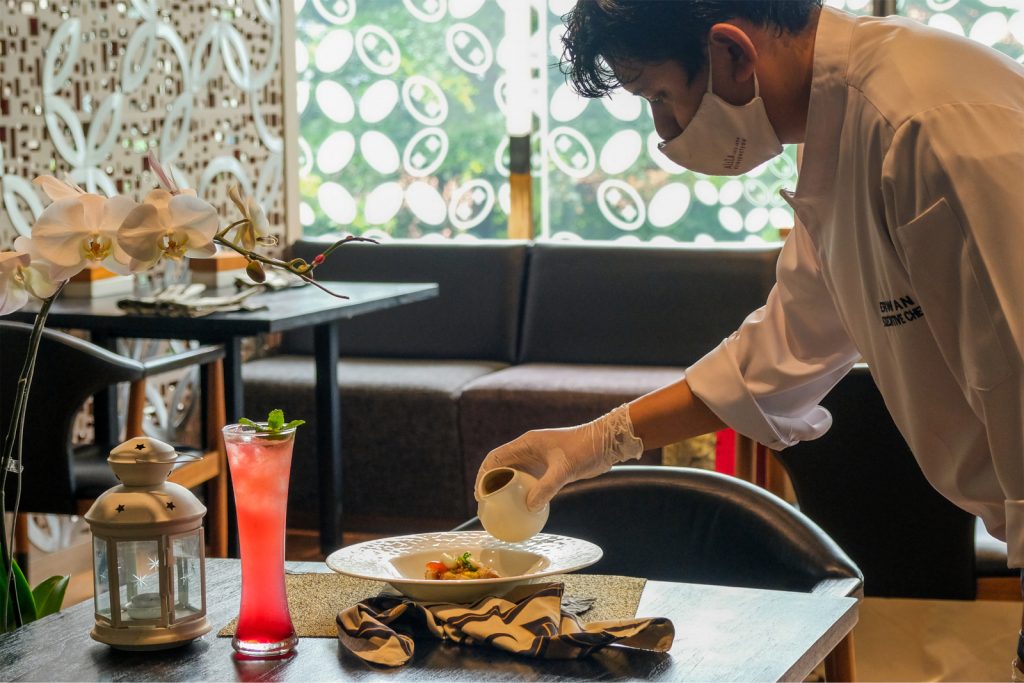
x: 767, y: 378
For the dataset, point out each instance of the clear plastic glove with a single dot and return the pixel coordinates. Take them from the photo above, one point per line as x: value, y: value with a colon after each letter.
x: 557, y: 457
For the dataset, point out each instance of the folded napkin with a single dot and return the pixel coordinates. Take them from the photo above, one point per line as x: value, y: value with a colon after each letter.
x: 274, y: 280
x: 314, y: 600
x: 187, y: 301
x: 528, y: 621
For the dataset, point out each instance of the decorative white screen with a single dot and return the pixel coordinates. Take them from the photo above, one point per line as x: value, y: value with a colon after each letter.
x: 88, y: 87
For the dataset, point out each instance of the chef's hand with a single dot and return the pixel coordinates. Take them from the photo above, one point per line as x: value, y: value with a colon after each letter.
x: 557, y: 457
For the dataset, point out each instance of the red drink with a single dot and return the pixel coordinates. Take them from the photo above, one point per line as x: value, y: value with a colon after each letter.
x: 260, y: 464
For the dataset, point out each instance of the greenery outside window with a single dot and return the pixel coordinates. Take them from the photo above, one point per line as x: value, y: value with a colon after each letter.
x: 403, y: 118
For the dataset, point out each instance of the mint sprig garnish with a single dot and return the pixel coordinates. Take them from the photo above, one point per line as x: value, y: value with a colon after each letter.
x: 275, y: 423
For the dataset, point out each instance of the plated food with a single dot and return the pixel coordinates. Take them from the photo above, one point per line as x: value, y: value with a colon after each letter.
x: 399, y: 561
x: 458, y: 568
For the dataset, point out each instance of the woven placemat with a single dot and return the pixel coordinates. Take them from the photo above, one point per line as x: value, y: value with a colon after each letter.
x: 314, y: 600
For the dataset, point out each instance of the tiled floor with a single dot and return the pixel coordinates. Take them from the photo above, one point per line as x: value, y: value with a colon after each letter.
x: 906, y: 640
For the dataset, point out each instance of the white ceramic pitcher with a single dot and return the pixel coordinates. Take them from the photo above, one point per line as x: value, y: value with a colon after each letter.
x: 502, y: 505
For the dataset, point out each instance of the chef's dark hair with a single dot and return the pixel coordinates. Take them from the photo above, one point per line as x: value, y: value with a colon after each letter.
x: 656, y: 31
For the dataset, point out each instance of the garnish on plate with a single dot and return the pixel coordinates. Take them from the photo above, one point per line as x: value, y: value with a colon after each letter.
x: 458, y: 568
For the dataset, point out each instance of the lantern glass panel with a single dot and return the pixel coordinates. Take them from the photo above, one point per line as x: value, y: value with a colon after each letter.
x: 101, y: 577
x: 138, y: 575
x: 186, y: 575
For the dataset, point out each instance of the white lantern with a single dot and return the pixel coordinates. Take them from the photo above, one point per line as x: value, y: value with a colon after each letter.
x: 149, y: 568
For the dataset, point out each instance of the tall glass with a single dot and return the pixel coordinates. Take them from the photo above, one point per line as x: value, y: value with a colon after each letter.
x: 260, y: 464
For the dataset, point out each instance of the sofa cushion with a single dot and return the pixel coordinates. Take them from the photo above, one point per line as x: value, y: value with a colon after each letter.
x: 475, y: 315
x: 500, y: 406
x: 639, y: 305
x: 400, y: 439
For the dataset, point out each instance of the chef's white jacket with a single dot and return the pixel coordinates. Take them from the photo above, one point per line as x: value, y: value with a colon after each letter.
x: 909, y: 251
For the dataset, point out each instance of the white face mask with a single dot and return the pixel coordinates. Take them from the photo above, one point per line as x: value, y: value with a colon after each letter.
x: 725, y: 139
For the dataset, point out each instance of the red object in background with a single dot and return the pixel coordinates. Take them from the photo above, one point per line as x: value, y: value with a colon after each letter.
x: 725, y: 451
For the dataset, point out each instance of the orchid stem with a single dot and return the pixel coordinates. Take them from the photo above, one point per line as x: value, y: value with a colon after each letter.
x: 13, y: 442
x: 222, y: 235
x: 295, y: 266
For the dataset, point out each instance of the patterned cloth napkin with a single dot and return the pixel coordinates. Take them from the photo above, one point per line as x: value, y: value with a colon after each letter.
x: 528, y: 621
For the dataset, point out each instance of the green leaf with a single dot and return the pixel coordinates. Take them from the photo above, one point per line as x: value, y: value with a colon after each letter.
x: 274, y: 425
x: 49, y: 595
x: 25, y: 602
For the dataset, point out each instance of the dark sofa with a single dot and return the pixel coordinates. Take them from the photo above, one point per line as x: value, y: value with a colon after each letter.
x: 522, y: 336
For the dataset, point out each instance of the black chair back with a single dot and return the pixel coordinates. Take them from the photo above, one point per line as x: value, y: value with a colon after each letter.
x: 690, y: 525
x: 68, y: 371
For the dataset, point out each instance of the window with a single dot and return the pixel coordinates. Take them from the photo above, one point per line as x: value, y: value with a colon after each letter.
x: 403, y: 129
x: 996, y: 23
x: 402, y: 134
x: 603, y: 178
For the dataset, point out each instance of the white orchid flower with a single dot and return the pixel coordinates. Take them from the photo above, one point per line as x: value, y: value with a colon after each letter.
x: 73, y: 232
x: 58, y: 189
x: 166, y: 178
x: 256, y: 226
x: 13, y: 294
x: 43, y: 276
x: 168, y: 225
x: 21, y: 277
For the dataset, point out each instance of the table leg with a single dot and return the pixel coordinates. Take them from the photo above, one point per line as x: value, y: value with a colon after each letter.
x: 234, y: 399
x: 328, y: 434
x: 234, y: 406
x: 106, y: 425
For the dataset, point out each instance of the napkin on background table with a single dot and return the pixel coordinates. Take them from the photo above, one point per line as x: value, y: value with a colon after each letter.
x: 187, y: 301
x: 275, y: 280
x: 528, y: 621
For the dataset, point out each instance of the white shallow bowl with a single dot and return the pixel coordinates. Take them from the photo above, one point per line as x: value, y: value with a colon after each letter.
x: 401, y: 562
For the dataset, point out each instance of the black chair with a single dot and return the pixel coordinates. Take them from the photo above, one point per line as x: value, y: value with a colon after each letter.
x: 695, y: 526
x: 61, y: 477
x: 862, y: 485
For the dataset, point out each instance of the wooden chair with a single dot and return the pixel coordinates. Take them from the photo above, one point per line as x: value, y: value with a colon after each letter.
x: 691, y: 525
x: 61, y: 478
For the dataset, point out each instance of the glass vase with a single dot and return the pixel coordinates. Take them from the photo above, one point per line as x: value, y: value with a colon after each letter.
x: 260, y: 464
x: 176, y: 271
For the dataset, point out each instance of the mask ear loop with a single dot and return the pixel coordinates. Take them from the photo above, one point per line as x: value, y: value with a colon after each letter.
x: 757, y: 86
x: 710, y: 71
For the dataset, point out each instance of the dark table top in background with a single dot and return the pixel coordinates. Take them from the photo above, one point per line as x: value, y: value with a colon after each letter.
x: 722, y: 634
x: 286, y: 309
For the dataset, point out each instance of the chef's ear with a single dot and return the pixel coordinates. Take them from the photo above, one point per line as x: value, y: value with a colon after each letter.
x: 733, y: 57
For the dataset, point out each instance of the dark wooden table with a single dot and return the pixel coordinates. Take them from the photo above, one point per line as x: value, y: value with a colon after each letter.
x: 722, y: 634
x: 289, y: 309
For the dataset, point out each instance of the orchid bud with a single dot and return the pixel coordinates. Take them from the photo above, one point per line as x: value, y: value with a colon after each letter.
x: 255, y: 271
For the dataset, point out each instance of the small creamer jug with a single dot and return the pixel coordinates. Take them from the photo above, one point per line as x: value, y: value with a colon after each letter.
x: 502, y: 508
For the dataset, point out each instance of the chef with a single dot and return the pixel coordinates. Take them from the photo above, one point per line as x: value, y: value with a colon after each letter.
x: 908, y: 250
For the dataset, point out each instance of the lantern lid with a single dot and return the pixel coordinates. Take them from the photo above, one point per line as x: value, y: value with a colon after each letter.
x: 143, y: 449
x: 144, y: 461
x: 166, y: 503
